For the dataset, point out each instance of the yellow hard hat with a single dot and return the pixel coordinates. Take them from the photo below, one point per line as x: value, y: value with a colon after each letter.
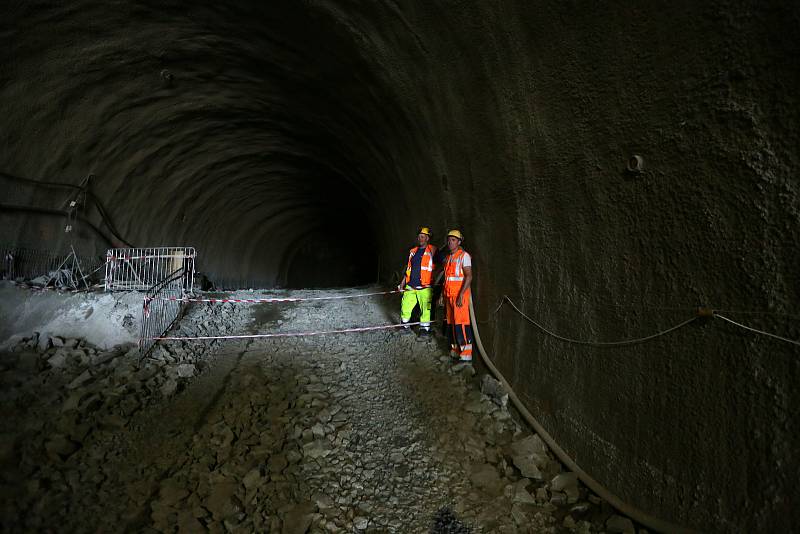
x: 425, y: 230
x: 456, y: 234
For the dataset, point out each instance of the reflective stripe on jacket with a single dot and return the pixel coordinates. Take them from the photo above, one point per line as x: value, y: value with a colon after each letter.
x: 426, y: 267
x: 454, y: 273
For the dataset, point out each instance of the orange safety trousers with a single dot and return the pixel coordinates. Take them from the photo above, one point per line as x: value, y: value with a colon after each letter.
x: 459, y: 330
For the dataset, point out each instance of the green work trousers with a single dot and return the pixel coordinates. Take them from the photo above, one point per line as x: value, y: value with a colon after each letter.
x: 412, y: 297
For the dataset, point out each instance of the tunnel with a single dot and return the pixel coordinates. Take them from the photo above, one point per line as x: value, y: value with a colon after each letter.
x: 613, y: 167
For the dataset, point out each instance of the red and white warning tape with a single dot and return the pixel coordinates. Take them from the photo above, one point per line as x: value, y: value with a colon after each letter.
x: 289, y: 334
x: 291, y: 299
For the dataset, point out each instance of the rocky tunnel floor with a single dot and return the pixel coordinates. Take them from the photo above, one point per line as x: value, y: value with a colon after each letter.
x: 375, y: 432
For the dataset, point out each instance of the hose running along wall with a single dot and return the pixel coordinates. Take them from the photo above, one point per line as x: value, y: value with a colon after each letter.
x: 610, y: 165
x: 631, y: 511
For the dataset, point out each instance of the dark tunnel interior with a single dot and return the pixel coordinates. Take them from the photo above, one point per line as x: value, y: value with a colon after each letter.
x: 266, y: 151
x: 612, y: 166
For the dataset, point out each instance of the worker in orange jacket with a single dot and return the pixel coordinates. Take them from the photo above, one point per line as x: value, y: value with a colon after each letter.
x: 456, y: 296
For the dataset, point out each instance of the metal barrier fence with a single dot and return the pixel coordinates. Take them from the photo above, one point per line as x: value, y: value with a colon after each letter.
x: 27, y: 263
x: 139, y: 269
x: 158, y: 313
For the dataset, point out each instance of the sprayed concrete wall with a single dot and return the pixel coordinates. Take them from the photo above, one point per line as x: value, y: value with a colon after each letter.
x: 271, y: 137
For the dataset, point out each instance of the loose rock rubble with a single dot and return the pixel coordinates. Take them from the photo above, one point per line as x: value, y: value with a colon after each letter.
x: 370, y: 432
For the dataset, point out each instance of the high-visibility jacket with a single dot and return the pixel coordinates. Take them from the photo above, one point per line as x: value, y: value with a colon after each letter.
x: 454, y: 273
x: 426, y: 267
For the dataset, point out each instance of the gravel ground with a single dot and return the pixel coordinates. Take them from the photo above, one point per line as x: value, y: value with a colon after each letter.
x: 365, y: 432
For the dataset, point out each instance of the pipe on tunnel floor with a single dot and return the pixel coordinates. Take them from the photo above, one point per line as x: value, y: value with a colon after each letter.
x: 634, y: 513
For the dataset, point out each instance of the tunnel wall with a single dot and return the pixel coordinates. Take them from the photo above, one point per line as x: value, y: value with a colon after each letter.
x: 513, y: 122
x: 537, y: 110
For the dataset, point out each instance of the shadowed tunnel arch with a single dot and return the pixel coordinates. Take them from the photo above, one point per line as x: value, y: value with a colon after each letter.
x: 301, y: 143
x: 240, y: 129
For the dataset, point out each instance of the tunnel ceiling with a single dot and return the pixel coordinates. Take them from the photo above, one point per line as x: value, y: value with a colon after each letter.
x: 249, y: 131
x: 302, y: 142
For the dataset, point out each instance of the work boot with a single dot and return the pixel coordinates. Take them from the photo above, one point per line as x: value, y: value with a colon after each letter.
x: 424, y: 335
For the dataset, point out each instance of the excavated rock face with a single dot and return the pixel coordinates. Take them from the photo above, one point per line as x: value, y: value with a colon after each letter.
x: 301, y: 143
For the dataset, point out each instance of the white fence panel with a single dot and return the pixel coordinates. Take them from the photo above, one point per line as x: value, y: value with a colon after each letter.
x: 139, y: 269
x: 159, y: 313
